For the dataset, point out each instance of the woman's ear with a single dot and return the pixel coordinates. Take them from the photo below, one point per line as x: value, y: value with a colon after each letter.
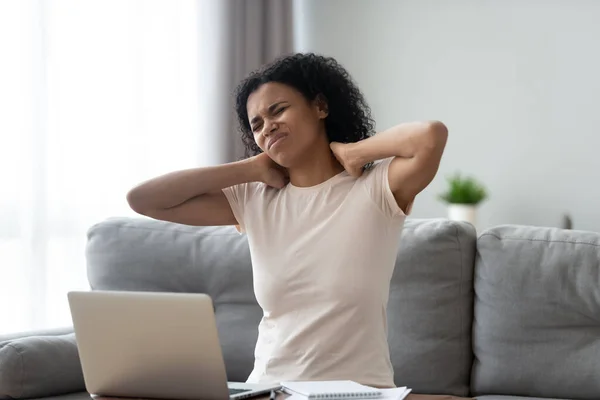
x: 322, y: 106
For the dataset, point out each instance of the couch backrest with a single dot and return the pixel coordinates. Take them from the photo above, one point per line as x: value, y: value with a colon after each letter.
x: 429, y: 313
x: 537, y: 313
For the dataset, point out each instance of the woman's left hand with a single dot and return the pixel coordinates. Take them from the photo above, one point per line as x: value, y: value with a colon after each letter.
x: 343, y: 153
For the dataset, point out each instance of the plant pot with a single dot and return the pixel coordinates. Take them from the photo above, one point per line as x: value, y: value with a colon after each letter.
x: 462, y: 212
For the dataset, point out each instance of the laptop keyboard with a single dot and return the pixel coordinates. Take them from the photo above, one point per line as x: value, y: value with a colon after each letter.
x: 236, y: 391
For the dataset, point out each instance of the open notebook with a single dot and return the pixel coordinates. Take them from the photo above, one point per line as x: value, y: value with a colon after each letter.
x: 332, y: 390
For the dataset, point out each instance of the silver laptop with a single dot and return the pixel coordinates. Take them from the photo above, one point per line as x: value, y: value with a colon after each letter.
x: 152, y: 345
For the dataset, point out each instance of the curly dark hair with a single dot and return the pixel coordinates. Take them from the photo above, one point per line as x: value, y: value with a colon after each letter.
x: 349, y: 119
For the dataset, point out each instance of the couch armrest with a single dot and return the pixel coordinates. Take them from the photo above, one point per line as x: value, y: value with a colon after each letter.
x: 39, y: 364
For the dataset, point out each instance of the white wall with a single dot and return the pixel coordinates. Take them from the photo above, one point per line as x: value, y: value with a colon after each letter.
x: 517, y: 82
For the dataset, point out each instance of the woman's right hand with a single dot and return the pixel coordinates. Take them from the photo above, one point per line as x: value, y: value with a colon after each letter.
x: 269, y: 172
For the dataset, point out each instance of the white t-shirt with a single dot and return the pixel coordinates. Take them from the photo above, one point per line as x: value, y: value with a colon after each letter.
x: 322, y: 257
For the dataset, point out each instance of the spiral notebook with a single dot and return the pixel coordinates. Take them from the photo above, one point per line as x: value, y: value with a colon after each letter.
x: 331, y: 390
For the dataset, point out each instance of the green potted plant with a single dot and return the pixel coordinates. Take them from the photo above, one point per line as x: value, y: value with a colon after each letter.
x: 463, y: 196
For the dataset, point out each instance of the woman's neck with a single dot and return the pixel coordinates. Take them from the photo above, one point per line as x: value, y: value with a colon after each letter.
x: 319, y: 166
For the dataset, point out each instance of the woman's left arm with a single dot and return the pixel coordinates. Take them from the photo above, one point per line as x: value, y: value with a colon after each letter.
x: 417, y: 148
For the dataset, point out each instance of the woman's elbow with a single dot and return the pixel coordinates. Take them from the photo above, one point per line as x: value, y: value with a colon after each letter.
x: 437, y: 134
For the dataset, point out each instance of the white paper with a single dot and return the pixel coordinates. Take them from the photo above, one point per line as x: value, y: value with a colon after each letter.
x: 308, y: 388
x: 398, y: 393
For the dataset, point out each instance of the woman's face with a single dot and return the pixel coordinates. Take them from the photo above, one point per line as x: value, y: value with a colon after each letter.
x: 285, y: 125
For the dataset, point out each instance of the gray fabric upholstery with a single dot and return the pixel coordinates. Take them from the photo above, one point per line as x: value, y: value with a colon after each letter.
x: 431, y: 306
x: 40, y: 366
x: 149, y: 255
x: 537, y: 313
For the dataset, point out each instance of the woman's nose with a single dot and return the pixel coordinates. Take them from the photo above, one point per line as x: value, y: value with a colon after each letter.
x: 271, y: 127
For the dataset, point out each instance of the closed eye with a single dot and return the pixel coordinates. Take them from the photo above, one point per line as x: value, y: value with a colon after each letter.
x: 256, y: 124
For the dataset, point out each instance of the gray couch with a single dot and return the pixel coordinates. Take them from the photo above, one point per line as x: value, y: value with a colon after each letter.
x: 513, y: 311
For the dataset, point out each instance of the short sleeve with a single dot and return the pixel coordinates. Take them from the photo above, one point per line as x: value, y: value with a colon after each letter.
x: 377, y: 185
x: 238, y: 196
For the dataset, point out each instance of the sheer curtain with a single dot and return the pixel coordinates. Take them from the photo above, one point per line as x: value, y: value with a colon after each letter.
x: 96, y: 96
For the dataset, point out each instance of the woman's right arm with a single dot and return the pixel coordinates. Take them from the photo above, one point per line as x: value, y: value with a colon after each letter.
x: 195, y: 197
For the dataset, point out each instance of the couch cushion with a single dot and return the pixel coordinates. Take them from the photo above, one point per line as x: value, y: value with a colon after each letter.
x: 37, y: 366
x: 537, y: 313
x: 430, y: 309
x: 141, y: 254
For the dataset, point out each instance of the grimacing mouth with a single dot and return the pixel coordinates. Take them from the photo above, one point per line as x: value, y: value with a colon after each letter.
x: 275, y: 138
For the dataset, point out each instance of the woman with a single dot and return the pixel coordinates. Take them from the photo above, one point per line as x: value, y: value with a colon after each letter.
x: 323, y: 204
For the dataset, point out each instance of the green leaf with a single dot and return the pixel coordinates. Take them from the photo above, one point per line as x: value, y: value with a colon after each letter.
x: 463, y: 190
